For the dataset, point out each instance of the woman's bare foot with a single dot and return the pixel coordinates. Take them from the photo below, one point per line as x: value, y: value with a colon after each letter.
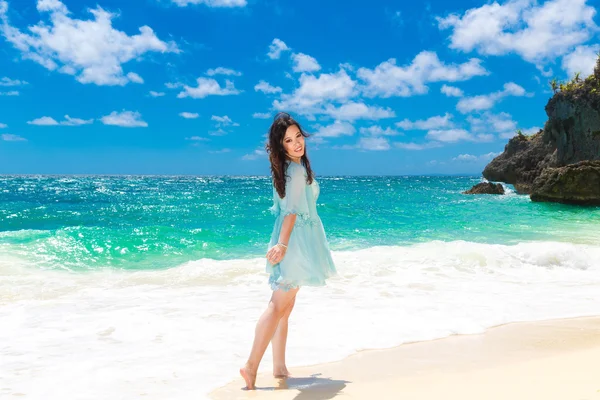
x: 280, y: 372
x: 249, y: 377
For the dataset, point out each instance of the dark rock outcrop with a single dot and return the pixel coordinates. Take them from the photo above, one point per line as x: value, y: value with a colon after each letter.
x: 573, y: 184
x: 486, y: 188
x: 571, y: 135
x: 523, y: 160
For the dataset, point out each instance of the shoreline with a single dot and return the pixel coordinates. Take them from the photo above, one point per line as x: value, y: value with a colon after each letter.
x: 550, y: 359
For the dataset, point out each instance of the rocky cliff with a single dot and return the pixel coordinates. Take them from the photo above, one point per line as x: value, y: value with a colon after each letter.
x: 571, y: 135
x: 577, y: 183
x: 524, y: 158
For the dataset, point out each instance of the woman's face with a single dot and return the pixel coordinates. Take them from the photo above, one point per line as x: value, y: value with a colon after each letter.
x: 293, y: 142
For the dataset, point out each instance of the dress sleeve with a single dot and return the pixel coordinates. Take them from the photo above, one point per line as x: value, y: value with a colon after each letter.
x: 275, y: 207
x: 295, y: 194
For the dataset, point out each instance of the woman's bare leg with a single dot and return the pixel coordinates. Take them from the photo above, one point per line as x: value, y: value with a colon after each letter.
x: 265, y: 329
x: 278, y: 343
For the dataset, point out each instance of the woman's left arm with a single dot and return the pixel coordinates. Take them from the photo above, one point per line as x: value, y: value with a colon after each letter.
x: 286, y: 228
x: 295, y: 205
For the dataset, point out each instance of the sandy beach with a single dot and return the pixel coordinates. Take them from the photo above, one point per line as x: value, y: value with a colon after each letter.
x: 556, y: 359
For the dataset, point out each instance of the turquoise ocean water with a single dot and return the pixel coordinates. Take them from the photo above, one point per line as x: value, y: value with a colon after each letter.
x: 82, y: 223
x: 150, y: 287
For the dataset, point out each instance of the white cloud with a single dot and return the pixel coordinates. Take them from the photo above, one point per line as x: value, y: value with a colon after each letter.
x: 258, y: 153
x: 127, y: 119
x: 377, y: 130
x: 6, y: 81
x: 92, y: 50
x: 313, y: 92
x: 276, y: 48
x: 547, y: 73
x: 75, y: 121
x: 484, y: 137
x: 373, y: 143
x: 471, y: 158
x: 223, y: 71
x: 197, y: 139
x: 49, y: 121
x: 304, y: 63
x: 224, y: 121
x: 212, y: 3
x: 156, y: 94
x: 368, y: 143
x: 51, y: 5
x: 488, y: 123
x: 220, y: 123
x: 173, y: 85
x: 207, y: 87
x: 347, y: 67
x: 8, y: 137
x: 489, y: 156
x: 314, y: 139
x: 345, y: 147
x: 351, y: 111
x: 465, y: 157
x: 11, y: 93
x: 219, y: 132
x: 485, y: 102
x: 448, y: 135
x: 476, y: 103
x: 2, y: 126
x: 582, y: 59
x: 388, y: 79
x: 261, y: 115
x: 221, y: 151
x: 436, y: 122
x: 537, y: 32
x: 512, y: 89
x: 43, y: 121
x: 417, y: 146
x: 440, y: 136
x: 336, y: 129
x: 451, y: 91
x: 189, y: 115
x: 135, y: 78
x: 266, y: 87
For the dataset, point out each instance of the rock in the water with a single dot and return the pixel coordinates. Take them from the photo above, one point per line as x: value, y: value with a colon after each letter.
x: 572, y: 184
x: 486, y: 188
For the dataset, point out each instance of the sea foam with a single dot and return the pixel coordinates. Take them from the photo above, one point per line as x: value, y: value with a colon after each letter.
x: 178, y: 333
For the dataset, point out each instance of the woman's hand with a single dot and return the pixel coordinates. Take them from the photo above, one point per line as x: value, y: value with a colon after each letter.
x: 276, y: 254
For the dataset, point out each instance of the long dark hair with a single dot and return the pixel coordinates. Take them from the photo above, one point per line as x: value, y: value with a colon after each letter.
x: 277, y: 154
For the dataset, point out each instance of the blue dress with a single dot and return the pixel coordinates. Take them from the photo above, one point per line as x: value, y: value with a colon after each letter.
x: 307, y: 261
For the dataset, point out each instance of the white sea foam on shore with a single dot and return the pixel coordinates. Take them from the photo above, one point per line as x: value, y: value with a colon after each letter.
x: 180, y: 332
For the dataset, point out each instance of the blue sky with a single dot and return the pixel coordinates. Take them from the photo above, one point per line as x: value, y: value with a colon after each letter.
x: 190, y: 86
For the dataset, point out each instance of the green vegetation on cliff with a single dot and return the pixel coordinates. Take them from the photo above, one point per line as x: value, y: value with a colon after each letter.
x: 577, y: 90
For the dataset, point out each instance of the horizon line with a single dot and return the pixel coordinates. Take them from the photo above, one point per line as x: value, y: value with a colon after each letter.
x: 222, y: 175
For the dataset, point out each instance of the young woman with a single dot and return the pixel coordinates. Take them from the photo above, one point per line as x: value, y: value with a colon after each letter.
x: 298, y: 253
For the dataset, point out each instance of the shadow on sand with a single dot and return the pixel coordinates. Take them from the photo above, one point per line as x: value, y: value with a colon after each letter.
x: 311, y: 388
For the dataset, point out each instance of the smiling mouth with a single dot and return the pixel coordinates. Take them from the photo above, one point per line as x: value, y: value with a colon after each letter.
x: 299, y: 149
